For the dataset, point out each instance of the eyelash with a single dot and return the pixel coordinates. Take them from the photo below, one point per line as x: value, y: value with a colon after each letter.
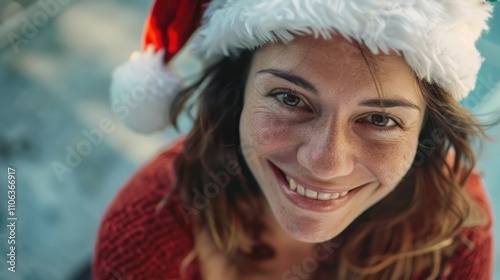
x: 385, y: 115
x: 279, y: 91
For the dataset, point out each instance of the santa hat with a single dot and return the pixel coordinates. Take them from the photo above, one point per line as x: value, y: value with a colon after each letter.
x: 436, y: 38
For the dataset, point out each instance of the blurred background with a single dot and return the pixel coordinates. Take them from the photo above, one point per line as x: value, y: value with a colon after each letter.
x: 56, y: 57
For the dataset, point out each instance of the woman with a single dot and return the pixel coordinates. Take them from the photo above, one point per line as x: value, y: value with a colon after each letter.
x: 327, y: 143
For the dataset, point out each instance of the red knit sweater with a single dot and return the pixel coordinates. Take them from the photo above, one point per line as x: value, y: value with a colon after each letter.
x: 137, y: 242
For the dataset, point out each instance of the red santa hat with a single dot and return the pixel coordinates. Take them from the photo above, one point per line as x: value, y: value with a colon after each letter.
x: 435, y: 37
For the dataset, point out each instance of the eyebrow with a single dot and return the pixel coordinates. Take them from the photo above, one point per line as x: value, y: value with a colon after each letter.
x: 378, y: 103
x: 389, y: 103
x: 298, y: 81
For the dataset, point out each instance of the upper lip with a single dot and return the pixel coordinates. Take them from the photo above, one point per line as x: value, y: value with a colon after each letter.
x: 314, y: 187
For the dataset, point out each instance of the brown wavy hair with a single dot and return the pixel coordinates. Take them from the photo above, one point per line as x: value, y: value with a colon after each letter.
x: 429, y: 208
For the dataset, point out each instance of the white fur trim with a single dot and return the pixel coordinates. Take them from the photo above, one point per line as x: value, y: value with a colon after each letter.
x: 142, y: 90
x: 436, y: 37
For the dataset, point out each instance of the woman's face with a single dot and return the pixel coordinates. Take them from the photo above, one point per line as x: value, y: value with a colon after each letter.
x: 314, y: 123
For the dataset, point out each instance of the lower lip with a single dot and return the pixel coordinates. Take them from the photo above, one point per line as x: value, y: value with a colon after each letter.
x: 322, y: 206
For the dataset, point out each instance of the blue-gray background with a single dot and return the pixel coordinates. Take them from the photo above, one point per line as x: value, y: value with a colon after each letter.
x: 54, y: 84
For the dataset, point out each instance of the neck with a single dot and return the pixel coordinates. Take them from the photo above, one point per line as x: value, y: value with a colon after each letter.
x: 276, y: 245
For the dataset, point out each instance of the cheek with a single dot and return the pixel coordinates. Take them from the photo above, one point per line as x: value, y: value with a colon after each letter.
x: 262, y: 132
x: 389, y: 162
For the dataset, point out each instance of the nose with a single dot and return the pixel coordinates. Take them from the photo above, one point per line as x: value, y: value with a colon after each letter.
x: 327, y: 153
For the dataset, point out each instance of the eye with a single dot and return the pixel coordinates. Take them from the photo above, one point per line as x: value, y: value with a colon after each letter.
x: 381, y: 120
x: 288, y: 98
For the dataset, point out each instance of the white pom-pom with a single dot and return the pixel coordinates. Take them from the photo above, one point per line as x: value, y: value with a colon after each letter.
x: 142, y: 90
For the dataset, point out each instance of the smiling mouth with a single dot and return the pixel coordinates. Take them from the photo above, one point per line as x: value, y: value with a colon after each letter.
x: 305, y: 192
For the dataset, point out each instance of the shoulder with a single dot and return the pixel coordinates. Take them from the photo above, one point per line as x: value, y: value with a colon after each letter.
x: 137, y: 239
x: 478, y: 193
x: 475, y: 259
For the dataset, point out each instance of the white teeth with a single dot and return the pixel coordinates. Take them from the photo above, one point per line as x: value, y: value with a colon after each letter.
x: 301, y: 190
x: 312, y: 194
x: 324, y: 196
x: 293, y: 184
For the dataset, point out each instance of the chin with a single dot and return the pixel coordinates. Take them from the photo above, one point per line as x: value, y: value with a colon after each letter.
x: 309, y: 229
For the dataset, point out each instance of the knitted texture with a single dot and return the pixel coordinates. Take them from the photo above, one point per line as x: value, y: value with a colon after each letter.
x: 137, y: 242
x: 476, y: 262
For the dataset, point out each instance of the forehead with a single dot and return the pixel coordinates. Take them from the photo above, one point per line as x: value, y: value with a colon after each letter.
x: 339, y: 63
x: 336, y: 52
